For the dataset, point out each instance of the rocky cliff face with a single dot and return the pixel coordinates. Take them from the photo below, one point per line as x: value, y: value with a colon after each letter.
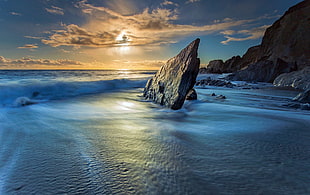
x: 233, y: 64
x: 286, y: 41
x: 175, y: 79
x: 285, y: 48
x: 288, y: 38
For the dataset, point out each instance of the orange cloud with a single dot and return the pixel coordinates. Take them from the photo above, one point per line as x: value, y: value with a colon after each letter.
x: 244, y: 35
x: 152, y: 27
x: 27, y: 62
x: 28, y: 46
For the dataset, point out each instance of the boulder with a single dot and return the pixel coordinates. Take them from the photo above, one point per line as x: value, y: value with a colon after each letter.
x: 296, y: 79
x: 215, y: 66
x: 203, y: 70
x: 170, y: 85
x: 23, y: 101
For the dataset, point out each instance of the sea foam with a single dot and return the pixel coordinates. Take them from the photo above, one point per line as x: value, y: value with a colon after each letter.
x: 34, y: 91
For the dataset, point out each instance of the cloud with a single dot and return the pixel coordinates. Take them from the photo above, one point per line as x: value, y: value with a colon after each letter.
x: 29, y: 46
x: 73, y: 35
x: 15, y: 14
x: 32, y: 37
x: 55, y: 10
x: 243, y: 35
x: 228, y: 32
x: 149, y: 27
x: 192, y: 1
x: 30, y: 62
x: 169, y: 3
x: 65, y: 51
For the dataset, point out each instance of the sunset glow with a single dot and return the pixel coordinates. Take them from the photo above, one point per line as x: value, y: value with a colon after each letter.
x: 87, y: 34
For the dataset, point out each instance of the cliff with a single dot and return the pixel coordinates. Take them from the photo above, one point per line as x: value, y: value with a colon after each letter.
x: 285, y: 47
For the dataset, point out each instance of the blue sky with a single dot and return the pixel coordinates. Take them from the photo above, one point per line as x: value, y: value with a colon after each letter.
x: 128, y: 34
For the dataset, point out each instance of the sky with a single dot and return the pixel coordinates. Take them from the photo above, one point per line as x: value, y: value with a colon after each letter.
x: 128, y: 34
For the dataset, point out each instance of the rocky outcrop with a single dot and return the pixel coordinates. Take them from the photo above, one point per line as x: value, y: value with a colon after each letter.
x: 233, y: 64
x: 297, y: 79
x: 214, y: 82
x: 262, y: 71
x: 251, y: 56
x: 175, y: 79
x: 214, y: 66
x: 285, y: 47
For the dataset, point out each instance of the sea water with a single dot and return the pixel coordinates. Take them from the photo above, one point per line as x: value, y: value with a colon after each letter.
x: 91, y: 132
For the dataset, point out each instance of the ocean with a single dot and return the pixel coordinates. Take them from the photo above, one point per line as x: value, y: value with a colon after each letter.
x: 92, y: 132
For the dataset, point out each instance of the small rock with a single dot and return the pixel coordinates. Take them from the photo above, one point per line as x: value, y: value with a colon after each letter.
x: 214, y: 82
x: 221, y: 97
x: 35, y: 94
x: 23, y: 101
x: 191, y: 95
x: 305, y: 106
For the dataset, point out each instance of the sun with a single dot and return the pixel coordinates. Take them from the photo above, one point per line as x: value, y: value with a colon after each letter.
x: 122, y: 39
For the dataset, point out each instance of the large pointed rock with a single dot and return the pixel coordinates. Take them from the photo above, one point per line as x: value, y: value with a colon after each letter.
x: 173, y: 81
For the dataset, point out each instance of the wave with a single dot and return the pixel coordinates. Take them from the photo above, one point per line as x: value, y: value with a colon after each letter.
x: 35, y: 91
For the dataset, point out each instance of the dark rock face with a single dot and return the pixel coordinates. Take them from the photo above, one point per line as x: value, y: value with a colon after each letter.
x: 172, y: 82
x: 296, y: 79
x: 262, y: 71
x: 285, y: 47
x: 232, y: 64
x: 288, y: 38
x: 250, y: 57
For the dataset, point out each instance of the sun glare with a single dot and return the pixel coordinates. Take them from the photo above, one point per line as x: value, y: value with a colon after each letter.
x: 122, y: 39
